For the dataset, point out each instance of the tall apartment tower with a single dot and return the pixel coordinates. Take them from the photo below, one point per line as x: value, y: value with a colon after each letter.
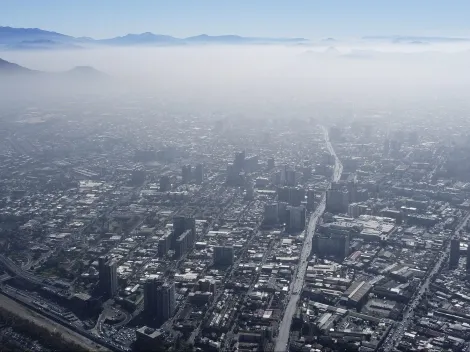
x: 331, y: 244
x: 180, y: 225
x: 295, y: 219
x: 271, y: 214
x: 186, y: 173
x: 239, y: 162
x: 159, y: 300
x: 199, y: 173
x: 107, y: 276
x: 165, y: 184
x: 454, y: 252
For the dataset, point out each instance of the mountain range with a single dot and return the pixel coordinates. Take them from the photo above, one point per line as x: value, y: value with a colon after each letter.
x: 35, y: 38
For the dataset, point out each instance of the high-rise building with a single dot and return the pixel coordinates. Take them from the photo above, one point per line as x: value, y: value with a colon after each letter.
x: 234, y: 176
x: 310, y: 200
x: 159, y: 300
x: 353, y: 210
x: 165, y: 184
x: 270, y: 214
x: 282, y: 212
x: 361, y: 195
x: 296, y: 196
x: 349, y: 164
x: 138, y: 176
x: 352, y: 187
x: 107, y: 271
x: 261, y: 182
x: 164, y: 245
x: 223, y: 255
x: 199, y: 173
x: 249, y: 190
x: 239, y: 162
x: 291, y: 178
x: 454, y: 252
x: 306, y: 173
x: 331, y: 244
x: 206, y: 285
x: 283, y: 194
x: 186, y: 173
x: 292, y: 195
x: 283, y: 175
x: 181, y: 224
x: 337, y: 200
x: 183, y: 243
x: 148, y: 339
x: 295, y: 219
x: 251, y: 164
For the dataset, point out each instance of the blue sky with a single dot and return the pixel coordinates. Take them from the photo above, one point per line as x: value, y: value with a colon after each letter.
x: 287, y: 18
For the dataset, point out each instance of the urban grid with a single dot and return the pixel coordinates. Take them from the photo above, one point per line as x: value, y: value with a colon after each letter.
x: 172, y: 231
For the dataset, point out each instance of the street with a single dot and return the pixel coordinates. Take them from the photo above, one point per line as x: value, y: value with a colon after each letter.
x: 296, y: 286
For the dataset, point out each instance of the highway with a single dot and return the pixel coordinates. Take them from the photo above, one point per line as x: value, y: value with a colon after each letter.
x: 295, y: 289
x: 395, y: 336
x: 18, y: 271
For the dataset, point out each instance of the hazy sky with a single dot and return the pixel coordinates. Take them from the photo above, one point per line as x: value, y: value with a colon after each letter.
x: 308, y: 18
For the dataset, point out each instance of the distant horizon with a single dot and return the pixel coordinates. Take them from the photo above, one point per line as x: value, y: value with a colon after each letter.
x: 263, y: 18
x: 198, y: 34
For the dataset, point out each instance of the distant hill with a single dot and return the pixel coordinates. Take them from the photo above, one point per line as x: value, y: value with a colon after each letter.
x: 9, y: 68
x: 140, y: 39
x: 35, y: 38
x: 18, y: 82
x: 83, y: 72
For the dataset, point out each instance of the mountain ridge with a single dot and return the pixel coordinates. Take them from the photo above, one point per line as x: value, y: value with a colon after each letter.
x: 31, y: 38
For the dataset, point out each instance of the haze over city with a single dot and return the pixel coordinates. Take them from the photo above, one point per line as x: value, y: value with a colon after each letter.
x: 234, y: 176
